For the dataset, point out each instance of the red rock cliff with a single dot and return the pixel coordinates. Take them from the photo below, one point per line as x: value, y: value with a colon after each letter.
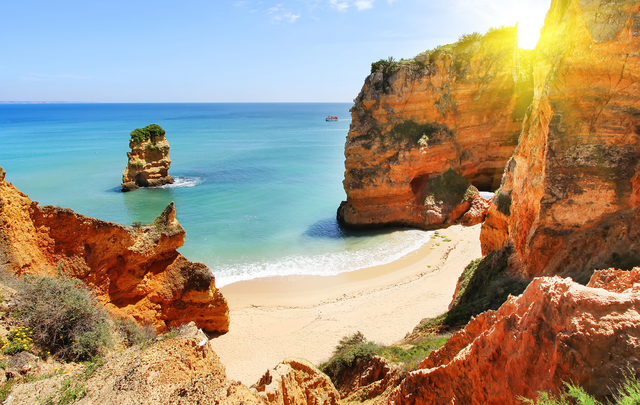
x: 556, y: 331
x: 425, y: 130
x: 134, y: 271
x: 570, y: 198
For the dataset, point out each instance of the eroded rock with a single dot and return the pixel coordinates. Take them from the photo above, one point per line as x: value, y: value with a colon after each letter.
x: 457, y: 109
x: 570, y: 197
x: 296, y: 381
x: 556, y: 331
x: 134, y: 270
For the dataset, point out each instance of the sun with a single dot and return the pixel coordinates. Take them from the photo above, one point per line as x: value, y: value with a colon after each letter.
x: 528, y: 33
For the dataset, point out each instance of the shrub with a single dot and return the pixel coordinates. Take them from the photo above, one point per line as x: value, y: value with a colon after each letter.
x: 628, y: 394
x: 144, y: 134
x: 485, y: 284
x: 133, y: 334
x: 350, y: 351
x: 355, y: 348
x: 64, y: 316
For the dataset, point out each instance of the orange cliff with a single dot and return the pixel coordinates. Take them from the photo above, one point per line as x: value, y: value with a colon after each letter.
x: 424, y: 131
x: 134, y: 271
x: 149, y: 162
x: 570, y: 198
x: 557, y: 331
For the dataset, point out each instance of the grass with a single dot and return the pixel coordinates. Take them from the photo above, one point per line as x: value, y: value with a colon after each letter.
x: 74, y: 388
x: 627, y: 394
x: 485, y: 284
x: 356, y: 348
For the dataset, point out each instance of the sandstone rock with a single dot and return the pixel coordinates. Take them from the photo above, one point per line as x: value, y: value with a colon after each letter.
x: 174, y: 371
x: 556, y: 331
x: 134, y: 271
x: 374, y: 378
x: 619, y: 281
x: 149, y: 161
x: 21, y: 364
x: 458, y: 108
x: 296, y: 381
x: 570, y: 197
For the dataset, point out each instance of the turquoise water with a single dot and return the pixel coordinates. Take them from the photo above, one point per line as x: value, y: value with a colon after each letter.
x: 257, y: 185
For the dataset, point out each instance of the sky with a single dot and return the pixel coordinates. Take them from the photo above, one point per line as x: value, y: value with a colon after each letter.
x: 227, y: 51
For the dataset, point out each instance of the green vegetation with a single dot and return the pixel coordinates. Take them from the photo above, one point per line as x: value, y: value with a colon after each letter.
x: 65, y: 317
x: 449, y: 188
x: 133, y: 334
x: 493, y: 51
x: 485, y: 284
x: 355, y: 348
x: 19, y: 340
x: 503, y: 203
x: 144, y: 134
x: 387, y: 67
x: 73, y: 388
x: 628, y: 394
x: 413, y: 133
x: 6, y: 388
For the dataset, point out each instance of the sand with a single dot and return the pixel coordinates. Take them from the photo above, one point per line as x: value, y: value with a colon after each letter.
x: 306, y: 316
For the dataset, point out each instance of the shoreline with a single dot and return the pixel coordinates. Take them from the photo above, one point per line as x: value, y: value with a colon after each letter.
x: 306, y: 316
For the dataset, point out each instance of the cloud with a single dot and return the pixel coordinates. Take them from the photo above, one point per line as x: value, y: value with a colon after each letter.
x: 344, y: 5
x: 279, y: 14
x: 364, y: 4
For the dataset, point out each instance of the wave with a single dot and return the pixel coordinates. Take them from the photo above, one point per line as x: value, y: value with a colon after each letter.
x: 397, y: 245
x: 183, y: 182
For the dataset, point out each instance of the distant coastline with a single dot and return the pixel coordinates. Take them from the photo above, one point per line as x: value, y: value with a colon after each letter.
x: 47, y: 102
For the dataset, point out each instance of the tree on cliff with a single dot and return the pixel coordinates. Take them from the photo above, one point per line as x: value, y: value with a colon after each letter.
x: 150, y: 131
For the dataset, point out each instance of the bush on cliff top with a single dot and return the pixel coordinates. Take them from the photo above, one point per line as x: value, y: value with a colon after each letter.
x: 144, y: 134
x: 355, y: 348
x: 64, y: 316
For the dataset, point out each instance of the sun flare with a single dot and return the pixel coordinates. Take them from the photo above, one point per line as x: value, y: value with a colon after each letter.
x: 528, y: 33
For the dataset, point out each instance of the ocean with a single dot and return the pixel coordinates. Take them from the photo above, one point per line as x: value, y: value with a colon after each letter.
x: 257, y: 184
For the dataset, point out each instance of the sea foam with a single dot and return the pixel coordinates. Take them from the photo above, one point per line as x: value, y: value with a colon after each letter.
x: 390, y: 248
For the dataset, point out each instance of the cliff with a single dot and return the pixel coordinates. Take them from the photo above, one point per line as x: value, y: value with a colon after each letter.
x: 556, y: 331
x: 134, y: 270
x: 570, y: 196
x: 426, y: 134
x: 149, y: 161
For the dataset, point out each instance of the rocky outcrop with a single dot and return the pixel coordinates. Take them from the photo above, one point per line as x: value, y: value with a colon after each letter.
x: 427, y: 133
x: 368, y: 379
x: 134, y: 270
x: 570, y: 197
x: 182, y: 370
x: 148, y: 160
x: 296, y: 381
x: 556, y: 331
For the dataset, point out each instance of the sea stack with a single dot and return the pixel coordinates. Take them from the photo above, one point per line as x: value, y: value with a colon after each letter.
x: 148, y: 160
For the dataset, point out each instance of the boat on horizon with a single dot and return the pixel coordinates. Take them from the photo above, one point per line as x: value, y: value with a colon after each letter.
x: 331, y: 118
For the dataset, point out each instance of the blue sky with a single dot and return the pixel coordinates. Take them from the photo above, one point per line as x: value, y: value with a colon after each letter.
x: 225, y: 51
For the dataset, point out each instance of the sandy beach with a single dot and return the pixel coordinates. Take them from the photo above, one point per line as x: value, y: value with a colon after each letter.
x: 306, y: 316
